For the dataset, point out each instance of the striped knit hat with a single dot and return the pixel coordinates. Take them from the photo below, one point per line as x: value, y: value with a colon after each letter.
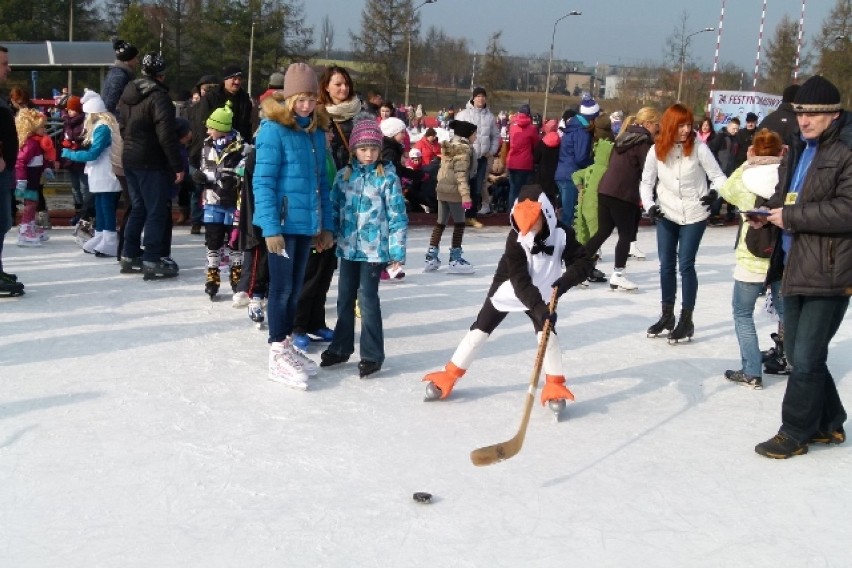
x: 817, y: 94
x: 365, y: 132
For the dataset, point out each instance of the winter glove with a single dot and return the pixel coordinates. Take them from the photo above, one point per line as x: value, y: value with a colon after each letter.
x: 541, y: 314
x: 49, y: 175
x: 466, y: 205
x: 654, y: 212
x: 708, y: 199
x: 199, y: 177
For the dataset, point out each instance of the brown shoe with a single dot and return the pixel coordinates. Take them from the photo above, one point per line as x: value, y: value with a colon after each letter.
x: 828, y: 438
x: 473, y: 222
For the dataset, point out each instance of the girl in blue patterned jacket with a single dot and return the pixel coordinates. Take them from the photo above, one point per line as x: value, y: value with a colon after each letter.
x: 292, y: 208
x: 370, y: 225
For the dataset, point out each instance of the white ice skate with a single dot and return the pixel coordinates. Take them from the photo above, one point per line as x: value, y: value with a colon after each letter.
x: 618, y: 281
x: 285, y: 368
x: 635, y: 252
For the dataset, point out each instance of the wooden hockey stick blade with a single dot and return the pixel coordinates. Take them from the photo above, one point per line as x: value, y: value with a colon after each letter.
x: 510, y: 448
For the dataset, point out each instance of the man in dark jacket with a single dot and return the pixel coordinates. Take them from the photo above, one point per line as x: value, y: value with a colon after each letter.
x: 783, y: 120
x: 152, y: 164
x: 121, y: 73
x: 231, y: 89
x: 205, y: 84
x: 812, y: 206
x: 9, y: 284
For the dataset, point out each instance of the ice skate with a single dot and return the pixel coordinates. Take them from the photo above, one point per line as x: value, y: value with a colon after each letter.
x: 328, y: 359
x: 285, y: 368
x: 684, y: 328
x: 308, y: 365
x: 83, y: 231
x: 255, y: 311
x: 322, y: 335
x: 211, y: 288
x: 555, y: 394
x: 618, y: 281
x: 367, y: 368
x: 636, y: 252
x: 234, y: 277
x: 432, y: 263
x: 666, y: 322
x: 27, y: 236
x: 459, y: 265
x: 441, y: 383
x: 597, y: 276
x: 128, y: 265
x: 163, y: 268
x: 9, y: 285
x: 240, y: 300
x: 741, y: 378
x: 774, y: 361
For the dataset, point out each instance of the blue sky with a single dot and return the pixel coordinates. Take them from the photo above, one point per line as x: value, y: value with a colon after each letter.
x: 609, y: 31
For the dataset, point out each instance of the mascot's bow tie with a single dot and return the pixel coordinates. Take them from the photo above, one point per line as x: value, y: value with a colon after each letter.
x: 540, y: 247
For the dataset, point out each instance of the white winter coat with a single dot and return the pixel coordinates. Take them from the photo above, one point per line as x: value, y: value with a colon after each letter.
x: 681, y: 182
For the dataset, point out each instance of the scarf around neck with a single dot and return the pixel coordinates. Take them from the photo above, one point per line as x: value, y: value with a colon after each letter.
x: 342, y: 112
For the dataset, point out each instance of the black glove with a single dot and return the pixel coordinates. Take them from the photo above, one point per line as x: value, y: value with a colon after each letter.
x: 199, y: 177
x: 542, y: 314
x: 708, y: 199
x: 654, y: 212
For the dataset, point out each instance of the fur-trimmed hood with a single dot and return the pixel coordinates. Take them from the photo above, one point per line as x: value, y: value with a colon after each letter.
x: 273, y: 108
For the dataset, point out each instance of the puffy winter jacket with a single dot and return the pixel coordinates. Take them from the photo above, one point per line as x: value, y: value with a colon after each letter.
x: 681, y: 182
x: 621, y: 179
x: 116, y: 80
x: 820, y: 259
x: 575, y: 149
x: 487, y: 132
x: 368, y: 211
x: 523, y: 136
x: 756, y: 178
x: 147, y: 121
x: 455, y: 172
x: 291, y: 187
x: 587, y: 181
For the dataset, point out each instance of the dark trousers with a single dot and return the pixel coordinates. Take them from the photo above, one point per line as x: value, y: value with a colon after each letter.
x: 150, y: 197
x: 477, y: 186
x: 254, y: 278
x: 614, y: 213
x: 310, y: 311
x: 490, y: 317
x: 359, y: 280
x: 811, y: 401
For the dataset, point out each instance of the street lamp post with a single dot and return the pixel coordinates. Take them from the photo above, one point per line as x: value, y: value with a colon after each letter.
x: 683, y: 43
x: 408, y: 60
x: 550, y: 61
x: 251, y: 56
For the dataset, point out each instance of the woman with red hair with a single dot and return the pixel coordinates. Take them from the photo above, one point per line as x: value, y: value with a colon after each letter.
x: 679, y: 164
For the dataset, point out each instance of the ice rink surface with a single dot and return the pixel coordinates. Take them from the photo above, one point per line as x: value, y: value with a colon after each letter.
x: 138, y: 429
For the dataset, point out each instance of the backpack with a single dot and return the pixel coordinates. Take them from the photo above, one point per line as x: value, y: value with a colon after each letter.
x: 760, y: 242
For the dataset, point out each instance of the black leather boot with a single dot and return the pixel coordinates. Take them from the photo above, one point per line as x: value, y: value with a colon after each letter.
x: 666, y: 321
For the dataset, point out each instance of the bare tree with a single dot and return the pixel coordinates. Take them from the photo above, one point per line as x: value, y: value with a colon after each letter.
x: 493, y: 74
x: 834, y: 46
x: 381, y: 45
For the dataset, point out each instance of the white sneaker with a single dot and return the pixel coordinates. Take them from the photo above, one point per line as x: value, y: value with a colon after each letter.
x: 461, y: 266
x: 635, y: 252
x: 484, y: 210
x: 618, y: 281
x: 284, y: 368
x: 241, y: 300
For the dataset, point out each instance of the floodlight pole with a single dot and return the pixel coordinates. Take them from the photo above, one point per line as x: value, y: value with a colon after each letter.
x: 550, y: 60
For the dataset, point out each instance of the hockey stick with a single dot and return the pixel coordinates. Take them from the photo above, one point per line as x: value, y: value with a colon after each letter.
x: 505, y: 450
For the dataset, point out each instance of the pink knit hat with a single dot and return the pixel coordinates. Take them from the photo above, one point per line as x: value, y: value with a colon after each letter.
x: 365, y: 132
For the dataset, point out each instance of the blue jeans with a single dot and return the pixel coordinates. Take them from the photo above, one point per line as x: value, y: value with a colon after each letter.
x: 286, y: 275
x: 811, y: 401
x: 568, y: 196
x: 361, y: 280
x: 743, y: 301
x: 477, y: 185
x: 150, y: 196
x: 517, y: 179
x: 677, y: 246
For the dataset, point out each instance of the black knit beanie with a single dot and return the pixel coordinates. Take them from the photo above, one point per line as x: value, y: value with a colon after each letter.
x: 817, y: 95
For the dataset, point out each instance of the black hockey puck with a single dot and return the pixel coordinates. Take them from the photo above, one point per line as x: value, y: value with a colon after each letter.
x: 422, y: 497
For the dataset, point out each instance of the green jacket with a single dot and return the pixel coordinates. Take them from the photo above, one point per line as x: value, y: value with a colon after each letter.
x: 587, y: 180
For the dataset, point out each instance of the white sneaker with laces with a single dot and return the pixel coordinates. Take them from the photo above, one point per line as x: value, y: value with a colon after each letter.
x: 285, y: 368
